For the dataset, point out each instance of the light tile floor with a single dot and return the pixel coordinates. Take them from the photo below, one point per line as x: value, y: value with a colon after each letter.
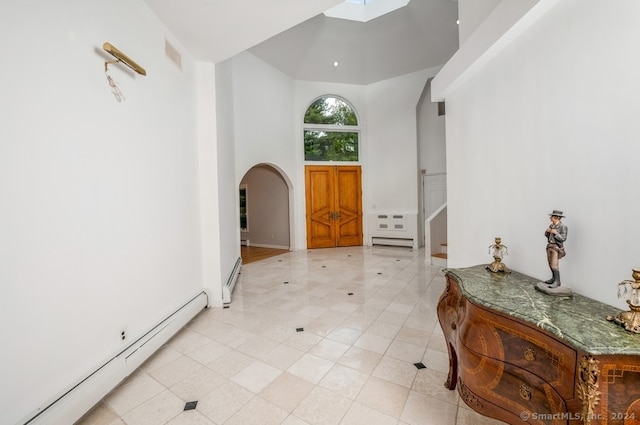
x: 326, y: 336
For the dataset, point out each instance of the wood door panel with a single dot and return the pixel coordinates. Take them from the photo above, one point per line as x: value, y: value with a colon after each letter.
x: 334, y: 206
x: 349, y: 206
x: 320, y: 194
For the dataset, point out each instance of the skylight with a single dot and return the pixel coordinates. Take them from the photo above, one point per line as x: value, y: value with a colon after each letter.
x: 364, y: 10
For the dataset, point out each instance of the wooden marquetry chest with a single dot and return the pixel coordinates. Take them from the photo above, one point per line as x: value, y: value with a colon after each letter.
x: 525, y: 357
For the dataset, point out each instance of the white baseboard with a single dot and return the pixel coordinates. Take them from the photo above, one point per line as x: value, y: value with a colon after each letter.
x: 439, y: 262
x: 406, y: 242
x: 72, y: 404
x: 227, y: 289
x: 262, y: 245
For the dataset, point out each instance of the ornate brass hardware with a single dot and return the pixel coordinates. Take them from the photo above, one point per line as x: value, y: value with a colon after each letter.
x: 334, y: 215
x: 525, y: 392
x: 588, y: 381
x: 468, y: 396
x: 530, y: 354
x: 630, y: 320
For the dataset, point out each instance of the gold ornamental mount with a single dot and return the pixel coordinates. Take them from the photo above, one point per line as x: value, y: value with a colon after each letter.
x: 630, y: 320
x: 587, y: 388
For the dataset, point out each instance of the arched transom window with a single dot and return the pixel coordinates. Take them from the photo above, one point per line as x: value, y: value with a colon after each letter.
x: 331, y: 131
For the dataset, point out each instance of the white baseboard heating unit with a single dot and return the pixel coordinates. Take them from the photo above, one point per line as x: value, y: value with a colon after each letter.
x: 393, y: 229
x: 72, y: 403
x: 227, y: 289
x: 392, y: 241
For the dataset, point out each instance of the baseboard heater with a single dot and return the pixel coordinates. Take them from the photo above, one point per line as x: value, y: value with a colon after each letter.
x: 393, y: 229
x: 227, y: 289
x: 70, y: 405
x: 376, y: 240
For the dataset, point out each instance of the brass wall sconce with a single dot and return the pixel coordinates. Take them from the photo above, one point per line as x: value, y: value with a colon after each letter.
x: 498, y: 251
x: 630, y: 320
x: 121, y: 57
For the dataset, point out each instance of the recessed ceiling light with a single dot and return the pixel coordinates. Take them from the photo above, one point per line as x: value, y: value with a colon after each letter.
x: 336, y: 63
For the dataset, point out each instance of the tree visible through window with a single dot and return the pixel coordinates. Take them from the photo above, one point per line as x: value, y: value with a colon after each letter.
x: 331, y: 131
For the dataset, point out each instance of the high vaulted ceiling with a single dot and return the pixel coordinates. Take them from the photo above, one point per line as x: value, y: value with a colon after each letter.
x: 297, y: 39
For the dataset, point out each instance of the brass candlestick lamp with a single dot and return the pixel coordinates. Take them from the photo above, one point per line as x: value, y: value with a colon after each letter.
x: 498, y: 251
x: 630, y: 320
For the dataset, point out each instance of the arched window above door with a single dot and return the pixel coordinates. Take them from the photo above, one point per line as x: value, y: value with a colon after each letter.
x: 331, y: 131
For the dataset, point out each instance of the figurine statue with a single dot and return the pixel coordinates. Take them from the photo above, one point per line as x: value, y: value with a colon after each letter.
x: 556, y: 235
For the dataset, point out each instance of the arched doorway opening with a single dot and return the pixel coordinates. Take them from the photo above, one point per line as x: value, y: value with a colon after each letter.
x: 265, y: 213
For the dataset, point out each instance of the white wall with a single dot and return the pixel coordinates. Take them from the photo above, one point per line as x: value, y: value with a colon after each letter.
x: 211, y: 213
x: 391, y: 144
x: 305, y: 93
x: 432, y: 158
x: 431, y: 135
x: 471, y: 13
x: 264, y: 134
x: 100, y: 213
x: 115, y: 214
x: 227, y: 185
x: 265, y: 101
x: 263, y: 105
x: 550, y: 122
x: 387, y: 117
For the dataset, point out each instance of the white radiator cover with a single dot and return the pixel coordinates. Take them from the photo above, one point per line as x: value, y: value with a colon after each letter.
x: 227, y: 288
x: 393, y: 228
x: 73, y: 403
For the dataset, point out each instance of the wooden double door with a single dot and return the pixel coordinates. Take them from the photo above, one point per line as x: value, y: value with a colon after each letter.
x: 334, y: 205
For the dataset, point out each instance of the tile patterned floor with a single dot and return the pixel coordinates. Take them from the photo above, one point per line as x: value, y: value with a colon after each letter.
x: 327, y: 336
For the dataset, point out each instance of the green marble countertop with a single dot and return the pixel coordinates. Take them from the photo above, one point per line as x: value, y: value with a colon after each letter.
x: 577, y: 320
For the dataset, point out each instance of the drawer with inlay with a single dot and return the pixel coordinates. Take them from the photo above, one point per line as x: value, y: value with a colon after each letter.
x: 492, y: 335
x: 512, y: 388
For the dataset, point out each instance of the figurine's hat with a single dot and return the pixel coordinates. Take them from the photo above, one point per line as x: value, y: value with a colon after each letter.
x: 557, y: 213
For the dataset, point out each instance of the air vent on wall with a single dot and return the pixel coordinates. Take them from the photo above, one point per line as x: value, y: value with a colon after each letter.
x: 173, y: 54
